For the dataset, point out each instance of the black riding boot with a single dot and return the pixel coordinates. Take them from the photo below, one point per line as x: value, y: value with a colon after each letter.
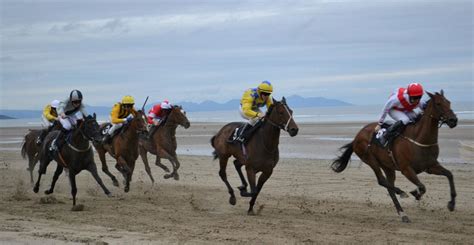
x: 42, y: 135
x: 247, y: 132
x: 393, y: 131
x: 152, y: 131
x: 59, y: 141
x: 106, y: 138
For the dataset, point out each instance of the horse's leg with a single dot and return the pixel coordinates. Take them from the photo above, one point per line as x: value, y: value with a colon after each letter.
x: 42, y: 170
x: 440, y: 170
x: 176, y: 166
x: 174, y: 162
x: 410, y: 174
x: 123, y: 167
x: 72, y: 181
x: 59, y: 170
x: 252, y: 182
x: 31, y: 167
x: 243, y: 187
x: 391, y: 189
x: 93, y: 170
x: 261, y: 181
x: 105, y: 168
x: 161, y: 165
x: 390, y: 174
x: 143, y: 154
x: 223, y: 175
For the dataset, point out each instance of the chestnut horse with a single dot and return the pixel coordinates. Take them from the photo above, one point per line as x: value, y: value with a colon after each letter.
x: 163, y: 143
x: 262, y: 153
x: 416, y: 150
x: 76, y: 155
x: 123, y: 148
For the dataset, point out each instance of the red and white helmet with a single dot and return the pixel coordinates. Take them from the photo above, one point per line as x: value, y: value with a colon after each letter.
x: 415, y: 90
x: 165, y: 104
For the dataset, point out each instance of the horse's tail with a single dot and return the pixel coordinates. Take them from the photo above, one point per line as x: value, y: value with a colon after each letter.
x: 214, y: 153
x: 23, y: 149
x: 341, y: 162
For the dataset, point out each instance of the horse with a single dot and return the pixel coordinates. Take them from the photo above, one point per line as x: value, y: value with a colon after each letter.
x: 416, y: 150
x: 163, y: 143
x: 123, y: 148
x: 259, y: 155
x: 30, y: 149
x: 76, y: 155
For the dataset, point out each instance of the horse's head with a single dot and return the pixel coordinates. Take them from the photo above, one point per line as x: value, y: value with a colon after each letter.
x: 139, y: 123
x: 90, y: 129
x: 441, y: 109
x: 282, y: 116
x: 178, y: 116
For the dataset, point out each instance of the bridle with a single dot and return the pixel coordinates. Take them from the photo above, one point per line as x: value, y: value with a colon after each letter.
x: 280, y: 126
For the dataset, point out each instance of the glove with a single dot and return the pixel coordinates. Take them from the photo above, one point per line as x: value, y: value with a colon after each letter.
x: 129, y: 119
x: 377, y: 128
x: 63, y: 115
x: 260, y: 115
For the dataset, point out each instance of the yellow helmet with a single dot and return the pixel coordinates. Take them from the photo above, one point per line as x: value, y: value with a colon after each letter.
x: 128, y: 100
x: 265, y: 87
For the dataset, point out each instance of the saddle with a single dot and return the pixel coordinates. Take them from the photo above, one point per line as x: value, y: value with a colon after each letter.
x: 105, y: 128
x: 377, y: 137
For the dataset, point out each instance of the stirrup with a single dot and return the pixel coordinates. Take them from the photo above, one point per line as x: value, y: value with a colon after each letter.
x: 53, y: 147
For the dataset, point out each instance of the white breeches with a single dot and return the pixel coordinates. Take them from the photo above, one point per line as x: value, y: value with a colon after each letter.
x: 114, y: 127
x: 405, y: 117
x: 251, y: 121
x: 70, y: 120
x: 45, y: 122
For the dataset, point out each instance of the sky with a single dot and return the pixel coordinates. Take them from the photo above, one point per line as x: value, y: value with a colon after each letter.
x: 355, y: 51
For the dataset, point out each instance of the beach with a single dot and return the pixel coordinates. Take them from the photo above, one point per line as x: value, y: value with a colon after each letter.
x: 304, y: 201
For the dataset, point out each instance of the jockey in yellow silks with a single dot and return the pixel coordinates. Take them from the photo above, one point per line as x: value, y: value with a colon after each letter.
x: 252, y: 100
x: 121, y: 114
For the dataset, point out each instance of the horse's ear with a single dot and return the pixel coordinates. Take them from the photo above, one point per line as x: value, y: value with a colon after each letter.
x: 283, y: 100
x: 94, y: 116
x: 430, y: 94
x: 274, y: 101
x: 442, y: 92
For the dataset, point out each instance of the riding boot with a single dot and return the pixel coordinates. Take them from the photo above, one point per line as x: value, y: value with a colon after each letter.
x: 106, y: 138
x: 392, y: 132
x: 247, y: 133
x: 59, y: 141
x: 42, y: 135
x: 152, y: 131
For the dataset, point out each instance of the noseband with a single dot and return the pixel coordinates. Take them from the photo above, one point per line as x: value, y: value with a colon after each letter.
x: 281, y: 126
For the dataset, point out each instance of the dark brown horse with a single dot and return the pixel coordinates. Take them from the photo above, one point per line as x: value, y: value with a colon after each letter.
x: 124, y: 148
x: 76, y: 155
x: 163, y: 143
x: 413, y: 152
x: 262, y: 153
x: 30, y: 150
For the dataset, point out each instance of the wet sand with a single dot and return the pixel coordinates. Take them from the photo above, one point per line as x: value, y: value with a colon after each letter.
x: 303, y: 202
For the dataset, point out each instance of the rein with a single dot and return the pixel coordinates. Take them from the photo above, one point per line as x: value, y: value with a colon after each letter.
x: 418, y: 143
x: 280, y: 126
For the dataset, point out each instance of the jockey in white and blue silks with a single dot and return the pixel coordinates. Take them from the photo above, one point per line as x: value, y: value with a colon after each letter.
x: 401, y: 107
x: 70, y: 111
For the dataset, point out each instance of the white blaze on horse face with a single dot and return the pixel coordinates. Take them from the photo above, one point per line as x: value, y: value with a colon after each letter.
x: 184, y: 112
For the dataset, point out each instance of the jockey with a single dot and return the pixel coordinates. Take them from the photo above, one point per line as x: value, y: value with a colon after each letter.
x: 400, y: 106
x: 122, y: 113
x: 157, y: 115
x: 250, y: 104
x: 49, y: 118
x: 70, y: 111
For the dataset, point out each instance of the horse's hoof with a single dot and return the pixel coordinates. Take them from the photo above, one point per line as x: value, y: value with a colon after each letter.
x: 176, y: 176
x: 115, y: 183
x: 47, y: 192
x: 36, y: 189
x: 78, y: 207
x: 404, y: 195
x: 167, y: 176
x: 109, y: 194
x: 126, y: 189
x: 451, y: 206
x: 251, y: 213
x: 405, y: 219
x: 416, y: 194
x: 242, y: 188
x: 232, y: 200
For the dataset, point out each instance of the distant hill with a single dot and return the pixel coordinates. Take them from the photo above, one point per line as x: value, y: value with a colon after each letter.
x: 294, y: 101
x: 5, y: 117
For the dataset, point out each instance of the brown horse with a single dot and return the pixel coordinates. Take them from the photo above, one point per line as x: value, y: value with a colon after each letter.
x: 123, y: 148
x: 76, y: 155
x: 413, y: 152
x: 262, y: 153
x: 163, y: 143
x: 30, y: 149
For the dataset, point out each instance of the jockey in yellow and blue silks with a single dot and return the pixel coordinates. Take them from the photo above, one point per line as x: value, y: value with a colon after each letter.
x: 252, y: 100
x: 49, y: 118
x: 121, y: 114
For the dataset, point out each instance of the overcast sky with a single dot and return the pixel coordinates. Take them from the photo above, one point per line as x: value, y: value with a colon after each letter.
x: 356, y: 51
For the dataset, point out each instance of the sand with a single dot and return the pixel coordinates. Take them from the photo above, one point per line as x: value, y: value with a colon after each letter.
x: 303, y: 202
